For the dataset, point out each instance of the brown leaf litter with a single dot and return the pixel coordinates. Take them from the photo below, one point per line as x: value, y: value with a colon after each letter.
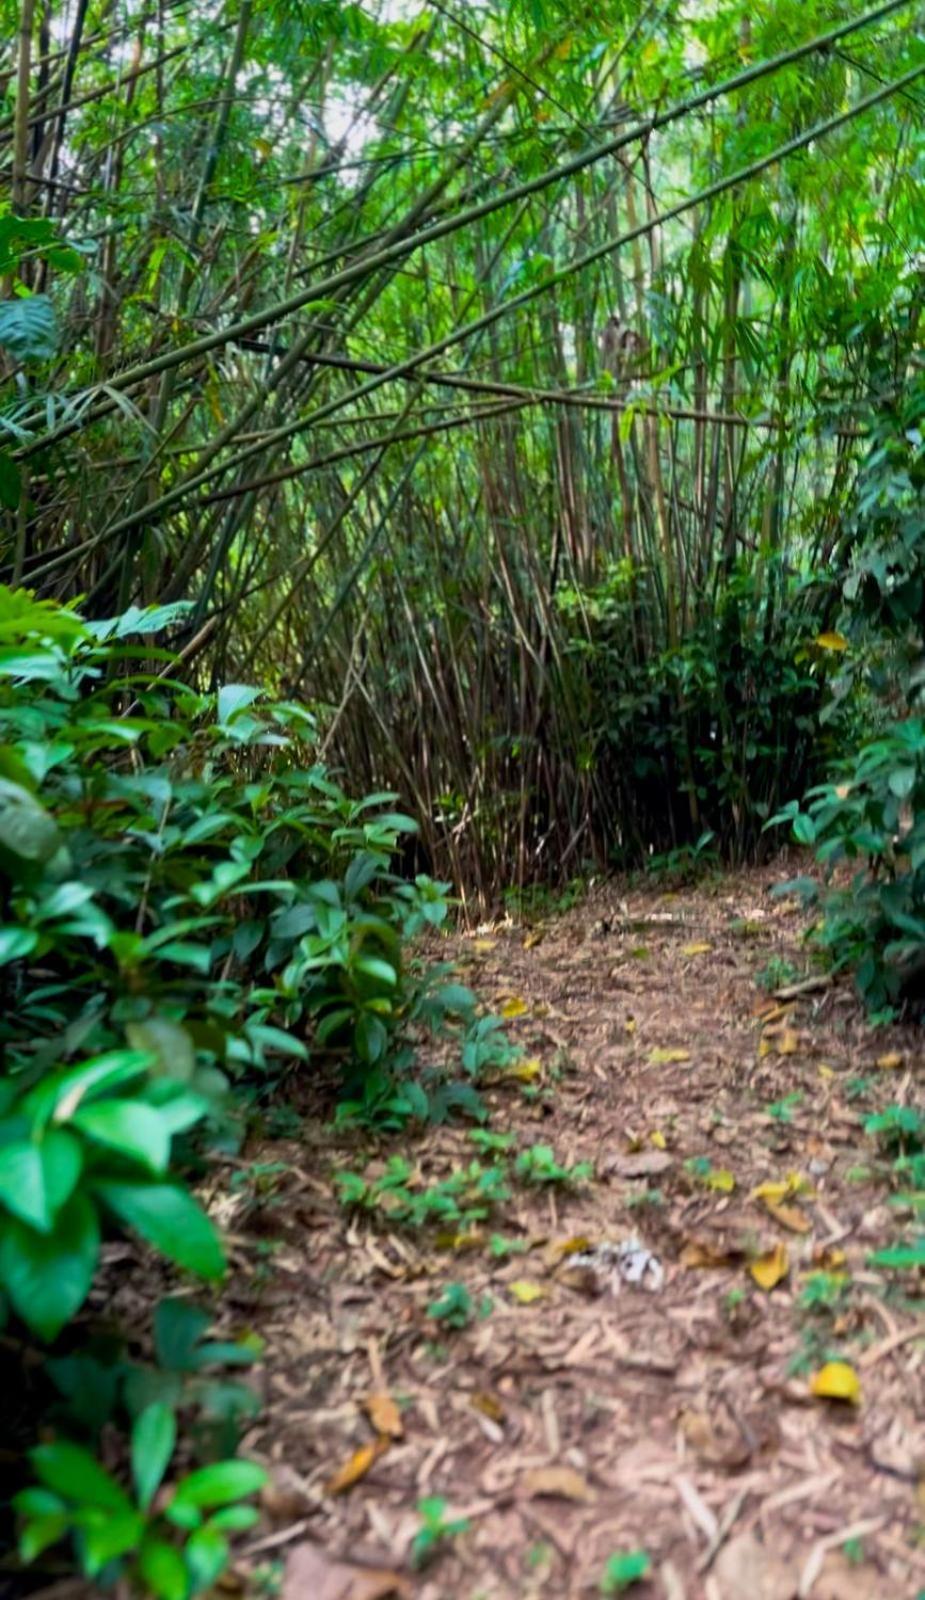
x: 571, y: 1424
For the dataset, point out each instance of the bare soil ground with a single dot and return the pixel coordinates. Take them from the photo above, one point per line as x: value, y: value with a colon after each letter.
x: 568, y: 1423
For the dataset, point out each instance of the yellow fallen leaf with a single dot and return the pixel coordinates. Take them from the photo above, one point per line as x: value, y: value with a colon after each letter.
x: 891, y: 1060
x: 384, y: 1415
x: 525, y: 1292
x: 789, y: 1043
x: 630, y: 1025
x: 533, y: 938
x: 837, y: 1380
x: 721, y: 1180
x: 831, y: 641
x: 526, y: 1071
x: 357, y: 1467
x: 769, y: 1269
x: 657, y: 1138
x: 660, y: 1058
x: 777, y: 1189
x: 765, y: 1046
x: 484, y: 946
x: 695, y: 949
x: 825, y: 1071
x: 514, y: 1007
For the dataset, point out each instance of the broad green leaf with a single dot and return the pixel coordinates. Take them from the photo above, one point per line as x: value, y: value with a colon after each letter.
x: 105, y: 1537
x: 22, y: 1183
x: 220, y: 1484
x: 136, y: 1130
x: 206, y: 1556
x: 48, y: 1275
x: 76, y: 1475
x: 28, y: 835
x: 163, y: 1569
x: 168, y: 1217
x: 234, y: 698
x: 178, y: 1328
x: 16, y: 943
x: 154, y: 1435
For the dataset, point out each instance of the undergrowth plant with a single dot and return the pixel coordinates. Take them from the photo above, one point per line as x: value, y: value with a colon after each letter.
x: 192, y: 910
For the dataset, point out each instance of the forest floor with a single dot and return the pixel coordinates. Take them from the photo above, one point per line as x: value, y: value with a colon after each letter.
x: 578, y: 1417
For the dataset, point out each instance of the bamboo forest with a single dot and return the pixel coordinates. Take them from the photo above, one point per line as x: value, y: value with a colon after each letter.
x: 462, y: 799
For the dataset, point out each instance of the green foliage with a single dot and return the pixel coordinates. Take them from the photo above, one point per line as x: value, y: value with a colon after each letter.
x: 187, y: 898
x: 468, y: 1196
x: 625, y: 1569
x: 192, y: 909
x: 775, y: 974
x: 872, y: 813
x: 436, y: 1529
x: 172, y: 1548
x: 824, y: 1292
x: 454, y: 1307
x: 900, y: 1131
x: 538, y: 1165
x: 699, y: 738
x: 782, y: 1110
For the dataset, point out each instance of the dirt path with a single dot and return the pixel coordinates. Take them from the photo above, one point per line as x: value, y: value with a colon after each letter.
x: 569, y: 1423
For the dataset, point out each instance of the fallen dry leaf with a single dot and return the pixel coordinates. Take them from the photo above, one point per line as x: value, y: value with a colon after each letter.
x: 840, y: 1577
x: 484, y: 946
x: 718, y: 1442
x: 533, y: 938
x: 514, y: 1007
x: 561, y: 1483
x: 646, y: 1164
x: 661, y: 1058
x: 657, y: 1138
x: 747, y: 1570
x: 488, y: 1404
x: 789, y: 1216
x: 703, y: 1253
x: 384, y: 1415
x: 357, y: 1466
x: 789, y: 1043
x: 557, y: 1250
x: 695, y: 949
x: 285, y: 1496
x: 837, y: 1380
x: 472, y: 1239
x: 311, y: 1572
x: 891, y: 1060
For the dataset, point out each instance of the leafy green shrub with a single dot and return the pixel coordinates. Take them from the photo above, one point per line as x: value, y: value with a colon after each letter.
x: 190, y: 907
x: 700, y: 742
x: 172, y: 1548
x: 872, y: 812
